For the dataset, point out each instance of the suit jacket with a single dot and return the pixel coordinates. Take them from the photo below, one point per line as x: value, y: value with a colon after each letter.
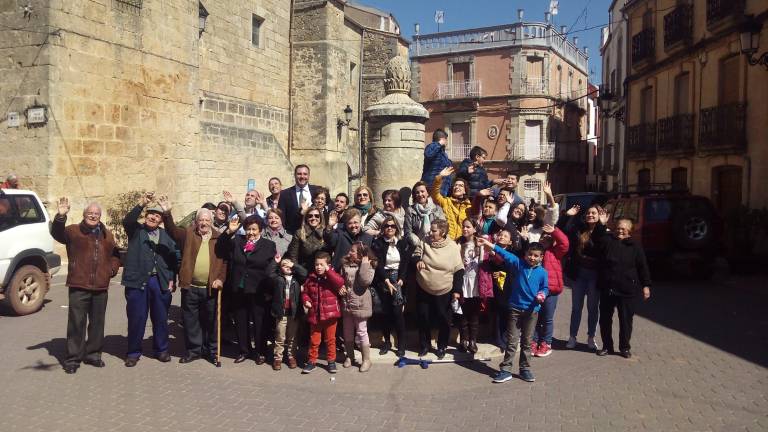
x: 289, y: 205
x: 250, y: 273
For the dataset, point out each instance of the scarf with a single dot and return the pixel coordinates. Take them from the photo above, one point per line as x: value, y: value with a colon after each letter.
x: 423, y: 211
x: 364, y: 209
x: 250, y: 246
x: 440, y: 243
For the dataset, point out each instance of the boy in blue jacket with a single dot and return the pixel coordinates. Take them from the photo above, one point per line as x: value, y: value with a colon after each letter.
x: 526, y: 288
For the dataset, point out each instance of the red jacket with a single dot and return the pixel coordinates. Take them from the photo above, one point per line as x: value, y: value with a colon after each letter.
x: 322, y: 293
x: 552, y: 261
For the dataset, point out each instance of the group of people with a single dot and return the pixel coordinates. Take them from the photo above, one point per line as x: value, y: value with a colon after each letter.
x: 295, y: 265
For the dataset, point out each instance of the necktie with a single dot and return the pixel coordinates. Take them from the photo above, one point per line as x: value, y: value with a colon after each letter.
x: 302, y: 198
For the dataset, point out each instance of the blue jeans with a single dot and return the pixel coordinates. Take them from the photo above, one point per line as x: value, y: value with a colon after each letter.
x: 152, y: 301
x: 545, y: 326
x: 585, y: 285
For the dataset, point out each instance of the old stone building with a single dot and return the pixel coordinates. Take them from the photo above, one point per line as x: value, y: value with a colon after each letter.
x: 340, y: 51
x: 184, y: 97
x: 139, y: 95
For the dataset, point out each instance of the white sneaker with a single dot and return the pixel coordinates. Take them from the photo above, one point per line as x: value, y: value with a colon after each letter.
x: 591, y: 343
x: 571, y: 344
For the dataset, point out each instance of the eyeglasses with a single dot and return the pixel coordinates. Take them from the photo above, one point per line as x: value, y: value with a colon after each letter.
x: 313, y: 216
x: 363, y: 194
x: 390, y: 226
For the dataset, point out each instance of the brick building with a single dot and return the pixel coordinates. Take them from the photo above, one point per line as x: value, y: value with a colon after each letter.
x: 517, y: 90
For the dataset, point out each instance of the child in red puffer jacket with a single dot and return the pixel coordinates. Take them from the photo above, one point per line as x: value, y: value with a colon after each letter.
x: 321, y: 303
x: 555, y: 243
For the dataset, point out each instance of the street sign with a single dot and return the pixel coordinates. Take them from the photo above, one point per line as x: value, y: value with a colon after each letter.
x: 251, y: 184
x: 439, y: 16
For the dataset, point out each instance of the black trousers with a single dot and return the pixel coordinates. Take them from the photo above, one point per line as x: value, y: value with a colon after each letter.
x: 392, y: 318
x: 247, y: 307
x: 86, y: 309
x: 433, y: 310
x: 626, y: 308
x: 469, y: 320
x: 199, y: 316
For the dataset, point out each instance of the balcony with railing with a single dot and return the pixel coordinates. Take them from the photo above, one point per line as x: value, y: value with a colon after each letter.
x: 678, y: 26
x: 533, y: 85
x: 643, y: 46
x: 517, y: 35
x: 459, y: 89
x: 718, y: 11
x: 641, y: 141
x: 534, y: 153
x: 457, y: 152
x: 722, y: 129
x: 676, y: 134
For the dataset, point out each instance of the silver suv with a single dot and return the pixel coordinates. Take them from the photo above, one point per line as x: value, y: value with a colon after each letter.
x: 27, y: 261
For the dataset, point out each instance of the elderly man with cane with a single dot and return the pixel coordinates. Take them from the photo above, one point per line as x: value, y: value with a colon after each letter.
x: 93, y: 261
x: 202, y: 272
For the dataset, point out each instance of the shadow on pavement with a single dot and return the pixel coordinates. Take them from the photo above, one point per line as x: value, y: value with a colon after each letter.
x: 728, y: 315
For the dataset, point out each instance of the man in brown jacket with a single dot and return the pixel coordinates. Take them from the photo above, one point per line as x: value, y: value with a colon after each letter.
x: 93, y: 261
x: 202, y: 273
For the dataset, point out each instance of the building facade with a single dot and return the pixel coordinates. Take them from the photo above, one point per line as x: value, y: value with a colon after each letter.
x: 610, y: 151
x: 519, y: 91
x: 694, y: 104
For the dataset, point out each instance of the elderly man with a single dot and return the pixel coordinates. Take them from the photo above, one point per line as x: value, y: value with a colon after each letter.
x: 149, y: 272
x: 202, y: 271
x: 296, y: 197
x: 11, y: 182
x: 254, y: 204
x: 93, y: 261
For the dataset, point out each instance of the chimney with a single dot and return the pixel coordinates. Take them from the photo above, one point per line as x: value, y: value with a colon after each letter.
x: 520, y: 15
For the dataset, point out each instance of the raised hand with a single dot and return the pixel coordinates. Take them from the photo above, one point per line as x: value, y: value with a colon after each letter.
x: 573, y: 211
x: 603, y: 216
x: 484, y: 192
x: 484, y: 242
x: 333, y: 219
x: 547, y: 189
x: 228, y: 198
x: 146, y: 198
x: 446, y: 172
x: 164, y: 203
x: 524, y: 232
x: 63, y: 206
x: 549, y: 229
x: 234, y: 224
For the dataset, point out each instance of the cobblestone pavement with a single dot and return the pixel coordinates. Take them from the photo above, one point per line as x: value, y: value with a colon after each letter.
x: 700, y: 363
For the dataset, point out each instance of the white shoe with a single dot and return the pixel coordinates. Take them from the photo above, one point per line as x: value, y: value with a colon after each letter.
x: 591, y: 343
x: 571, y: 344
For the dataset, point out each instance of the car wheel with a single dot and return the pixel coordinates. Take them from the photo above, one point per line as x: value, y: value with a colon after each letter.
x: 693, y: 230
x: 27, y: 289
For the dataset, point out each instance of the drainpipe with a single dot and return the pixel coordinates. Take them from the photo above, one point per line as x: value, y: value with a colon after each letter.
x: 361, y: 162
x: 290, y: 85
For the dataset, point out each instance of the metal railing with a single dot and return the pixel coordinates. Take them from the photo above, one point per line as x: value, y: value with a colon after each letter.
x: 543, y: 152
x: 676, y: 134
x: 678, y: 25
x: 641, y: 140
x: 459, y: 89
x: 719, y: 9
x: 643, y: 45
x: 533, y: 85
x: 457, y: 152
x: 723, y: 127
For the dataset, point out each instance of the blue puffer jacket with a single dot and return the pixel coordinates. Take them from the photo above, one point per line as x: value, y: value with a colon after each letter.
x: 478, y: 180
x: 435, y: 159
x: 143, y: 255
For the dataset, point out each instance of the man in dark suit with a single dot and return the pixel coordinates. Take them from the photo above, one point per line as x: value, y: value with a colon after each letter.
x: 292, y: 199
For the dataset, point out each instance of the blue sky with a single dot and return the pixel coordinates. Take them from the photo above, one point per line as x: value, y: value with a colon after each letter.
x: 462, y: 14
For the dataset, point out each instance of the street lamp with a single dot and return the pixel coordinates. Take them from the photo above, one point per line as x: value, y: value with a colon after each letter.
x: 347, y: 118
x: 750, y: 41
x: 203, y: 17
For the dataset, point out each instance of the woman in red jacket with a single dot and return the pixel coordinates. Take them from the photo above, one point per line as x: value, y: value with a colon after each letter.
x: 556, y: 246
x: 321, y: 302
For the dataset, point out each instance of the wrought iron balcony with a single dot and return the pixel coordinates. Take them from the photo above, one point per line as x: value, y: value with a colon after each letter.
x: 676, y: 134
x: 719, y: 10
x: 678, y: 26
x: 723, y: 128
x: 542, y: 152
x: 457, y: 152
x: 643, y: 45
x: 641, y: 141
x: 459, y: 89
x: 533, y: 85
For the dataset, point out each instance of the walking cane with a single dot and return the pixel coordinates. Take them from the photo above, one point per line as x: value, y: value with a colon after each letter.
x: 218, y: 327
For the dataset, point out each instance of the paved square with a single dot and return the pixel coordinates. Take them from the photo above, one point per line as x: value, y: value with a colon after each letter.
x: 700, y: 364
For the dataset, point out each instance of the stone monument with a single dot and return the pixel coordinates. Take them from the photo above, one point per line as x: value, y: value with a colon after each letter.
x: 395, y: 134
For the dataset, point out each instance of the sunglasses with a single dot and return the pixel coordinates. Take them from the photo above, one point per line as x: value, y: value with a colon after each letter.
x: 360, y: 195
x: 390, y: 226
x: 313, y: 216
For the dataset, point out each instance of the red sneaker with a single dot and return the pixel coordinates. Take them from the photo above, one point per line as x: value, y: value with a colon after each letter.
x: 535, y: 349
x: 544, y: 350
